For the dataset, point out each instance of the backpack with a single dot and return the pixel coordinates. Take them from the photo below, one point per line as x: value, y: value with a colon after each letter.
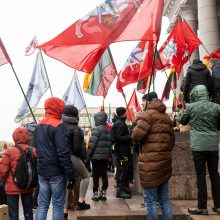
x: 25, y: 175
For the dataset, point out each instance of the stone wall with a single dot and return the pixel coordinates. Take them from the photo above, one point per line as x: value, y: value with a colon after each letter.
x: 183, y: 180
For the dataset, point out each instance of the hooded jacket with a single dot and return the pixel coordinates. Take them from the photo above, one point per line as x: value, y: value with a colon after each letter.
x: 9, y: 161
x: 100, y: 140
x: 154, y: 130
x: 197, y: 74
x: 203, y: 117
x: 216, y: 79
x: 51, y: 142
x: 121, y: 137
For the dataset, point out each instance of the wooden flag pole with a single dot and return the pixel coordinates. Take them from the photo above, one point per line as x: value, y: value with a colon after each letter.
x: 46, y: 73
x: 23, y: 94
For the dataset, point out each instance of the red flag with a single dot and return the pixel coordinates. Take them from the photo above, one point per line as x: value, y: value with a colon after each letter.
x: 82, y: 44
x: 31, y: 47
x: 214, y: 54
x: 4, y: 57
x: 133, y: 107
x: 179, y: 46
x: 138, y: 65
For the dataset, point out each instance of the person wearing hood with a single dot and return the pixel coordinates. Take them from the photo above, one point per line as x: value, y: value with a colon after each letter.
x: 121, y: 138
x: 70, y: 118
x: 54, y: 162
x: 98, y: 152
x: 8, y: 164
x: 215, y: 66
x: 203, y: 117
x: 155, y: 131
x: 197, y: 74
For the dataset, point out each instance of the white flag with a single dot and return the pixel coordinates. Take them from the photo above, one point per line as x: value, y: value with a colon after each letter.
x: 31, y: 47
x: 74, y: 95
x: 37, y: 87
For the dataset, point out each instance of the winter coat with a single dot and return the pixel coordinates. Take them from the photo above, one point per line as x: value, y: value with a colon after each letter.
x: 9, y: 161
x: 121, y: 137
x: 75, y: 135
x: 197, y: 74
x: 154, y: 130
x: 100, y: 140
x: 216, y: 82
x: 203, y: 117
x: 51, y: 142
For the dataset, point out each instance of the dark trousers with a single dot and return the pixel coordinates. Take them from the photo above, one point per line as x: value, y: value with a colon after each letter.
x: 13, y: 206
x: 99, y: 169
x: 123, y: 173
x: 35, y: 195
x: 200, y: 159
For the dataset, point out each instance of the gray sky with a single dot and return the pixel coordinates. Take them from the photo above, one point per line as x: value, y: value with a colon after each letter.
x: 45, y: 20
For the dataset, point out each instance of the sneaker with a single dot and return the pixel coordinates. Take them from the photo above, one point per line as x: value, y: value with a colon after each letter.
x: 102, y: 195
x: 82, y: 206
x: 197, y: 211
x: 217, y: 210
x: 95, y: 196
x: 123, y: 194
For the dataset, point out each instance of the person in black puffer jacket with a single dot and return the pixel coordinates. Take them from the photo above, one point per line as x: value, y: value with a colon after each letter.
x: 122, y: 139
x: 215, y: 65
x: 70, y: 119
x: 98, y: 152
x: 197, y: 74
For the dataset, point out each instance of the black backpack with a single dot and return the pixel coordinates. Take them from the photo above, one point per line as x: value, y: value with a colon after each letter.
x: 25, y: 175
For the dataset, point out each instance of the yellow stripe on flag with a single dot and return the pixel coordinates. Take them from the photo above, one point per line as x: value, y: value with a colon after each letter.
x: 87, y: 80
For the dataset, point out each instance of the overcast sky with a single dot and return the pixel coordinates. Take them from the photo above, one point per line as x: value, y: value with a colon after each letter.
x: 19, y: 22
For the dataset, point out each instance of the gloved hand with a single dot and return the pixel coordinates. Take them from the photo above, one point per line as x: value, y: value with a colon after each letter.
x: 71, y: 184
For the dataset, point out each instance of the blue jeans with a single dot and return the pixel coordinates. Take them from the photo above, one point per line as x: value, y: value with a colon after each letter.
x: 161, y: 194
x: 13, y: 206
x: 51, y: 187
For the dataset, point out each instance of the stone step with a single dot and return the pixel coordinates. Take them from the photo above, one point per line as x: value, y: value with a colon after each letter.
x: 207, y: 217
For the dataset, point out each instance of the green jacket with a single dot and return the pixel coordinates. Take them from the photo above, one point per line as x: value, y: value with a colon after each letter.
x: 203, y: 117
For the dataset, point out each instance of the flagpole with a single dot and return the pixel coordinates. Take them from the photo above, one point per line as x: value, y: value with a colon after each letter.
x: 167, y: 76
x: 23, y: 93
x: 206, y: 50
x: 152, y: 72
x: 127, y: 103
x: 46, y: 73
x: 88, y: 114
x: 84, y: 101
x: 174, y: 93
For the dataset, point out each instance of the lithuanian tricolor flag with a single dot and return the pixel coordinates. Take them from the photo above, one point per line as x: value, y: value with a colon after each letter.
x: 98, y: 82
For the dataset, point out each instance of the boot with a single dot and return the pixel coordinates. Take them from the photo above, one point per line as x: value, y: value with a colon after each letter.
x: 197, y: 211
x: 82, y: 206
x: 123, y: 194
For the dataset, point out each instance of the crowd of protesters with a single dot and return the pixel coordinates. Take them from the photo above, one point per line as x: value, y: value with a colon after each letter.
x: 63, y: 160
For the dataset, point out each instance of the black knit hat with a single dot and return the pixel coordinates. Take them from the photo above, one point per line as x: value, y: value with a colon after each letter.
x: 120, y: 111
x: 71, y: 110
x: 150, y: 96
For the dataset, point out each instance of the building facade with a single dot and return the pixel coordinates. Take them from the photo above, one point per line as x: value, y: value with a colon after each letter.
x: 204, y: 18
x: 84, y: 121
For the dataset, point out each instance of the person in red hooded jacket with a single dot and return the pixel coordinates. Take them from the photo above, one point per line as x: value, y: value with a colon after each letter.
x: 8, y: 164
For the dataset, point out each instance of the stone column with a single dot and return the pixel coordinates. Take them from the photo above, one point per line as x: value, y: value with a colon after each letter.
x: 190, y: 15
x: 208, y: 26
